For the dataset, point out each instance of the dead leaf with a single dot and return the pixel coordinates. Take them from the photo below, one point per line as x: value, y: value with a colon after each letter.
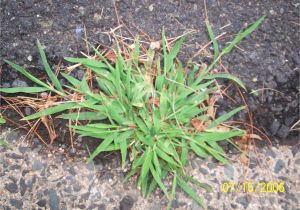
x: 111, y: 56
x: 211, y: 112
x: 154, y: 101
x: 253, y: 136
x: 155, y: 45
x: 198, y: 125
x: 244, y: 159
x: 219, y: 128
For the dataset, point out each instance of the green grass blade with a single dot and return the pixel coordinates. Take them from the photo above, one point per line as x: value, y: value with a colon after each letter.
x: 50, y: 73
x: 104, y: 144
x: 75, y: 82
x: 164, y: 156
x: 87, y: 62
x: 2, y: 120
x: 224, y: 117
x: 24, y: 90
x: 51, y: 110
x: 111, y: 68
x: 226, y: 76
x: 198, y: 150
x: 199, y: 184
x: 173, y: 190
x: 242, y: 34
x: 158, y: 180
x: 217, y: 156
x: 213, y: 39
x: 83, y: 116
x: 174, y: 51
x: 165, y: 53
x: 216, y: 147
x: 136, y: 52
x: 123, y: 149
x: 156, y: 163
x: 146, y: 164
x: 164, y: 103
x: 184, y: 152
x: 189, y: 191
x: 219, y: 136
x: 4, y: 144
x: 28, y: 75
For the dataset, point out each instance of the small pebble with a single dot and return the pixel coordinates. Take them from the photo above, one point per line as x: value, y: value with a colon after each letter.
x: 151, y: 7
x: 29, y: 58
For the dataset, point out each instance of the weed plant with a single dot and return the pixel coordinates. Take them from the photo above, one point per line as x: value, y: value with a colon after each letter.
x: 151, y: 111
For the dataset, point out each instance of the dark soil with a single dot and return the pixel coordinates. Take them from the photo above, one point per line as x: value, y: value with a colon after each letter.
x: 269, y: 58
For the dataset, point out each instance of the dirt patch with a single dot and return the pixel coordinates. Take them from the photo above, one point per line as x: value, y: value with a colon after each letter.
x: 268, y: 59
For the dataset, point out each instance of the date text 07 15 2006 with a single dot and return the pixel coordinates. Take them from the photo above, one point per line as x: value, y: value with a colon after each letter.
x: 251, y: 187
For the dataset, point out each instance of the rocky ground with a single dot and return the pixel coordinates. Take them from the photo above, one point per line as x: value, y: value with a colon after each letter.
x: 35, y: 177
x: 268, y: 61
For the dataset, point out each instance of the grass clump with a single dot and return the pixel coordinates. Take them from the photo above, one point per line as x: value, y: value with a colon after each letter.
x: 151, y: 111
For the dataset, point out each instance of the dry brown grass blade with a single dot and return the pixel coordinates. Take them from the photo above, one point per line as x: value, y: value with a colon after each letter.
x: 198, y: 125
x: 13, y: 103
x: 37, y: 104
x: 48, y: 123
x: 296, y: 126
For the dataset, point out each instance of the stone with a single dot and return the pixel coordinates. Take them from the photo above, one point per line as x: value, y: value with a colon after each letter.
x: 203, y: 171
x: 151, y: 7
x: 29, y: 58
x: 90, y: 166
x: 253, y: 162
x: 295, y: 149
x: 229, y: 172
x: 14, y: 179
x: 37, y: 165
x: 283, y: 132
x: 78, y: 32
x: 30, y: 182
x: 81, y: 206
x: 53, y: 200
x: 126, y: 203
x: 68, y: 189
x: 27, y: 111
x: 77, y: 187
x: 6, y: 85
x: 211, y: 165
x: 270, y: 153
x: 42, y: 203
x: 279, y: 166
x: 11, y: 187
x: 195, y: 206
x: 16, y: 203
x: 175, y: 204
x: 13, y: 156
x: 73, y: 151
x: 155, y: 206
x: 23, y: 186
x: 243, y: 200
x: 274, y: 127
x: 79, y: 74
x: 15, y: 167
x: 97, y: 17
x: 72, y: 171
x: 19, y: 83
x: 85, y: 196
x: 23, y: 149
